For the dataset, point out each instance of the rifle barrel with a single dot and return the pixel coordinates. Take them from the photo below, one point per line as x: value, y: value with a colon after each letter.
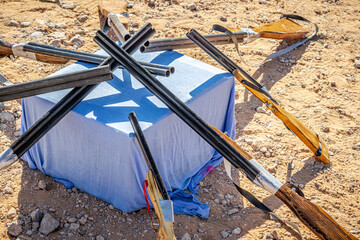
x: 55, y: 83
x: 147, y: 155
x: 65, y: 105
x: 157, y: 69
x: 184, y: 42
x: 220, y: 57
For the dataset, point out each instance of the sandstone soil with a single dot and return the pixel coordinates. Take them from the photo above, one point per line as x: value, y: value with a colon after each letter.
x: 318, y: 83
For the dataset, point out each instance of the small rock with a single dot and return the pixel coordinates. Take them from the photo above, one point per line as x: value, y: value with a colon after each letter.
x: 111, y: 207
x: 48, y: 224
x: 51, y: 25
x: 58, y: 35
x: 15, y: 229
x: 36, y: 215
x: 82, y: 221
x: 25, y: 24
x: 233, y: 211
x: 267, y: 154
x: 223, y: 202
x: 357, y: 146
x: 60, y: 25
x: 6, y: 117
x: 99, y: 237
x: 67, y: 5
x: 80, y: 32
x: 11, y: 213
x: 29, y: 232
x: 357, y: 64
x: 325, y: 129
x: 37, y: 34
x: 333, y: 84
x: 263, y: 149
x: 35, y: 226
x: 42, y: 185
x: 74, y: 226
x: 13, y: 23
x: 17, y: 133
x: 8, y: 190
x: 72, y: 220
x: 186, y: 236
x: 51, y: 210
x: 76, y: 41
x: 82, y: 18
x: 224, y: 234
x: 224, y: 19
x: 82, y: 231
x: 260, y: 110
x: 268, y: 235
x: 236, y: 231
x: 191, y: 6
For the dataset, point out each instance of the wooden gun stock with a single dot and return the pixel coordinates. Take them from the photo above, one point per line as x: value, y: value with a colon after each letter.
x: 6, y: 50
x: 313, y: 216
x: 316, y: 219
x: 166, y: 230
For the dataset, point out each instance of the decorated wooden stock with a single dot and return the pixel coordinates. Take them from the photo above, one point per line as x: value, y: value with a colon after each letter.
x: 166, y: 229
x: 324, y: 226
x: 315, y: 218
x: 310, y: 138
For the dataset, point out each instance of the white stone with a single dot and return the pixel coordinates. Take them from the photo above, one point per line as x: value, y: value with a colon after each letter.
x: 37, y: 34
x: 236, y: 231
x: 25, y: 24
x: 13, y: 23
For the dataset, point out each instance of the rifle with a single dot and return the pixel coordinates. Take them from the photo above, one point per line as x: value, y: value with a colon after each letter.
x: 281, y: 29
x: 55, y: 83
x: 309, y: 213
x: 50, y: 54
x: 307, y: 136
x: 66, y: 104
x: 157, y: 191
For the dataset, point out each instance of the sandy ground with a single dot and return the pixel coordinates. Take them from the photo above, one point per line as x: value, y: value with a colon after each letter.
x: 318, y: 83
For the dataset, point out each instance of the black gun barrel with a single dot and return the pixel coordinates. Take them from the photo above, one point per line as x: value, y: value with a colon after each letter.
x: 55, y: 83
x: 147, y: 155
x: 179, y: 108
x: 156, y: 69
x: 220, y: 57
x: 184, y: 42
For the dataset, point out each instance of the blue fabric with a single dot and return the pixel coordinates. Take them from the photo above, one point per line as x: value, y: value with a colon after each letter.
x: 93, y: 147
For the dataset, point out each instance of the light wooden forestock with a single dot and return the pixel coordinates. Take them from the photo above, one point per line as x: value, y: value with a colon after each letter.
x: 6, y: 50
x: 313, y: 216
x: 307, y: 136
x: 166, y: 229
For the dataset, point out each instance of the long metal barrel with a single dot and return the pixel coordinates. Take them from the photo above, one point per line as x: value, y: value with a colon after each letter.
x: 184, y: 42
x: 118, y: 28
x: 178, y: 107
x: 67, y: 80
x: 65, y: 105
x: 157, y: 69
x: 147, y: 155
